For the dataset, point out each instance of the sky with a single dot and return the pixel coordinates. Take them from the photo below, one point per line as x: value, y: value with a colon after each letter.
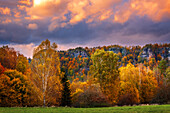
x: 24, y: 24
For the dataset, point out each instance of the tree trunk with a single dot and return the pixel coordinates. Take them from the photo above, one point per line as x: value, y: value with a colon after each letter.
x: 43, y: 99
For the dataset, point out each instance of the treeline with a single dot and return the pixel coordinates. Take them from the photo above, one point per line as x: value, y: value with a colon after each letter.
x: 76, y: 62
x: 85, y: 77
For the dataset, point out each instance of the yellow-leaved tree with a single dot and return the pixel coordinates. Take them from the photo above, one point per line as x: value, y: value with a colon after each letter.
x: 137, y: 85
x: 45, y: 67
x: 129, y: 85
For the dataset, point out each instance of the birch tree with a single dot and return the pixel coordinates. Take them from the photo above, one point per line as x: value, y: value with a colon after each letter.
x: 45, y: 67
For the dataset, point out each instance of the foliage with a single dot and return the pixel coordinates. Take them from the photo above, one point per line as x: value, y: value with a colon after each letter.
x: 128, y: 94
x: 1, y: 69
x: 8, y: 57
x: 22, y: 64
x: 148, y: 87
x: 163, y: 93
x: 105, y: 69
x: 89, y: 97
x: 163, y: 66
x: 137, y: 85
x: 129, y: 85
x: 168, y: 75
x: 16, y: 90
x: 93, y: 74
x: 45, y: 67
x: 66, y: 93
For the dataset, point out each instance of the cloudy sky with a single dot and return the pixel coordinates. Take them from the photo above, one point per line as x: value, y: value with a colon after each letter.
x: 71, y: 23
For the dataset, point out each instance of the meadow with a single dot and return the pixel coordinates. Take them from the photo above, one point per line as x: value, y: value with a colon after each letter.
x: 124, y: 109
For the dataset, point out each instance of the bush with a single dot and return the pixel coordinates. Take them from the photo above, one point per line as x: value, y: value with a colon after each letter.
x: 163, y: 95
x: 92, y: 97
x: 129, y: 97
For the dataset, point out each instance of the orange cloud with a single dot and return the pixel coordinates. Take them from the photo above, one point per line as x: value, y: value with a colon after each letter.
x: 21, y: 7
x: 156, y: 10
x: 5, y: 11
x: 17, y: 14
x: 94, y: 10
x: 25, y: 2
x: 48, y: 8
x: 6, y: 21
x: 32, y: 26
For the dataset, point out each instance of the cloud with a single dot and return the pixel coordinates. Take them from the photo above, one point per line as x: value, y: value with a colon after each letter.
x: 5, y: 11
x: 32, y: 26
x: 48, y: 8
x: 25, y: 2
x: 6, y: 21
x: 70, y: 12
x: 2, y: 31
x: 156, y: 10
x: 26, y: 49
x: 84, y: 22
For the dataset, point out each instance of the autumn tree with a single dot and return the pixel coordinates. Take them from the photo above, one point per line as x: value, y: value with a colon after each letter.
x: 137, y: 82
x: 129, y: 85
x: 16, y: 90
x: 87, y: 94
x: 8, y: 57
x: 45, y: 67
x: 148, y: 87
x: 105, y: 70
x: 1, y: 69
x: 22, y: 64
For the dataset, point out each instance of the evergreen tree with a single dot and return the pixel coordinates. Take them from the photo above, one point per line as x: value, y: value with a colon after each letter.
x: 66, y: 93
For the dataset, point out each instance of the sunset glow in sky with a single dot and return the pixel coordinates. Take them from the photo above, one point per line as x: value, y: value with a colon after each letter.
x: 71, y: 23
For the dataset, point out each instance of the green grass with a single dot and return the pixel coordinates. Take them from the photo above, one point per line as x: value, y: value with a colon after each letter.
x: 125, y: 109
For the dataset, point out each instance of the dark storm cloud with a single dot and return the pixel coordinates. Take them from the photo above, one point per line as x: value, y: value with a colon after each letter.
x: 8, y: 3
x: 82, y: 33
x: 146, y: 26
x: 14, y: 34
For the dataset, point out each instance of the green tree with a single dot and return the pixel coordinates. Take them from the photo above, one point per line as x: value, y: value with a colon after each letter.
x: 163, y: 66
x: 105, y: 70
x: 22, y: 64
x: 45, y: 67
x: 66, y: 93
x: 168, y: 75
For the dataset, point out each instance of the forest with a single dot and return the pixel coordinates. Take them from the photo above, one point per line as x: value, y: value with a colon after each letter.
x: 85, y: 77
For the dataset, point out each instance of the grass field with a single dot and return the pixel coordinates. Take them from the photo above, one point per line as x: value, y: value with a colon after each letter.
x: 125, y: 109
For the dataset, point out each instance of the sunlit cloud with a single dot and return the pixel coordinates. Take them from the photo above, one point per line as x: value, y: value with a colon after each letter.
x: 25, y: 2
x: 156, y: 10
x: 71, y: 12
x: 5, y: 11
x: 6, y: 21
x: 32, y: 26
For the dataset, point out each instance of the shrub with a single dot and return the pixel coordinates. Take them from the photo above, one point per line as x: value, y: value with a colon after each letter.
x: 92, y: 97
